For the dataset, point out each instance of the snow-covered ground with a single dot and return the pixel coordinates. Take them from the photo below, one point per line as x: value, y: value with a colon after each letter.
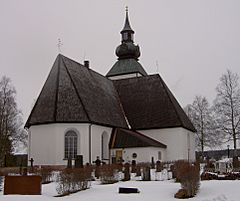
x: 149, y: 191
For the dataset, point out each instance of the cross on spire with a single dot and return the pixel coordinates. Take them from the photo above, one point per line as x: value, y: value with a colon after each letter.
x: 59, y: 45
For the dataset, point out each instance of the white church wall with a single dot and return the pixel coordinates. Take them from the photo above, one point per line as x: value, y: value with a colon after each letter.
x: 180, y: 142
x: 97, y: 132
x: 42, y: 144
x: 144, y: 154
x: 46, y: 142
x: 46, y: 146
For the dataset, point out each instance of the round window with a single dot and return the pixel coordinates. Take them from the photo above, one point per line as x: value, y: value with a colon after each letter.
x: 134, y: 155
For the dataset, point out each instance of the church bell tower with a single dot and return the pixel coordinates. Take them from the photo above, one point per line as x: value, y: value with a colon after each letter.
x: 128, y: 53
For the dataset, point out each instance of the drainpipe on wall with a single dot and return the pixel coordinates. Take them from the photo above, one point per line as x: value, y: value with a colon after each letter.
x: 29, y: 143
x: 90, y: 144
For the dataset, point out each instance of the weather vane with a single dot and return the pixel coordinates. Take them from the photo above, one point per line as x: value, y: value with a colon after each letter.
x: 60, y: 44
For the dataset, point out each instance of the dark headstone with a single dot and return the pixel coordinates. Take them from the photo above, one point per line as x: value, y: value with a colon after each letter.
x: 159, y: 166
x: 69, y: 164
x: 128, y: 190
x: 114, y: 161
x: 126, y: 172
x: 146, y: 174
x: 152, y: 163
x: 79, y: 161
x: 134, y: 168
x: 138, y: 170
x: 235, y: 162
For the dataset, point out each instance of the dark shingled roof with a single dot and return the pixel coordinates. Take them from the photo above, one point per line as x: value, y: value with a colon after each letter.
x: 126, y: 66
x: 149, y: 104
x: 76, y: 94
x: 123, y: 138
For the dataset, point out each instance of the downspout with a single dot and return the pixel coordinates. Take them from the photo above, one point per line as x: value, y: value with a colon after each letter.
x: 90, y: 143
x: 29, y: 143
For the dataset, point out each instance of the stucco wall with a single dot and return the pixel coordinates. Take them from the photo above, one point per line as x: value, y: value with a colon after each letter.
x: 144, y: 154
x: 180, y: 142
x: 46, y: 142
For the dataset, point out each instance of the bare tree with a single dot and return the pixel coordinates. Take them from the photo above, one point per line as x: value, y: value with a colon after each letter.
x: 11, y: 130
x: 227, y: 106
x: 202, y: 118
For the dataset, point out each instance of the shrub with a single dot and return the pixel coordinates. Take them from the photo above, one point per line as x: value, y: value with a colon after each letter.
x: 188, y: 175
x: 108, y: 174
x: 45, y: 173
x: 208, y: 176
x: 73, y: 180
x: 1, y: 182
x: 181, y: 194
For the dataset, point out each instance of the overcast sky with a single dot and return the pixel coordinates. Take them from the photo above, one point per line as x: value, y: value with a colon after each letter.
x: 189, y: 43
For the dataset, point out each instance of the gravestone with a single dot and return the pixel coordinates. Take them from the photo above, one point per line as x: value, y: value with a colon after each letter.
x: 79, y: 161
x: 152, y: 163
x: 138, y: 171
x: 164, y: 174
x: 134, y: 169
x: 69, y: 164
x: 146, y: 174
x: 22, y: 185
x: 127, y: 172
x: 158, y: 166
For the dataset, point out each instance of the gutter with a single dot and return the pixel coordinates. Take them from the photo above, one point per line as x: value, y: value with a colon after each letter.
x: 90, y: 143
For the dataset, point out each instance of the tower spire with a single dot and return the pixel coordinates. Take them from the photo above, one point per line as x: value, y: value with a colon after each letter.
x: 127, y: 32
x: 128, y: 54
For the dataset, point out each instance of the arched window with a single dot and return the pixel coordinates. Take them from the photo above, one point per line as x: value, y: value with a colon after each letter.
x: 104, y: 145
x: 71, y: 139
x: 159, y: 155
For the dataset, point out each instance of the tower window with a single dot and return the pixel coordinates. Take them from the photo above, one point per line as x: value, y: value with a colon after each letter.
x: 125, y: 36
x: 70, y: 144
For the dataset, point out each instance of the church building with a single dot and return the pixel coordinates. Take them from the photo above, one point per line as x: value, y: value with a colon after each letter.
x: 124, y: 116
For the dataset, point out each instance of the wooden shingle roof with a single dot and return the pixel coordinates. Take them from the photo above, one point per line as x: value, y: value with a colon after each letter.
x: 74, y: 93
x: 149, y: 104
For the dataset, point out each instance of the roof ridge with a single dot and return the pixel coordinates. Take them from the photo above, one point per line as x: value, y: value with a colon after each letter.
x: 121, y: 106
x: 89, y: 69
x: 57, y: 90
x: 76, y: 91
x: 38, y: 97
x: 172, y: 98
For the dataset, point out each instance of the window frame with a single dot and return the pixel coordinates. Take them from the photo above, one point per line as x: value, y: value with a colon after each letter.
x: 70, y: 144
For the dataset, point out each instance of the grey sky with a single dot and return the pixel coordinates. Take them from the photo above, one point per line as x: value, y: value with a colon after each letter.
x: 193, y: 42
